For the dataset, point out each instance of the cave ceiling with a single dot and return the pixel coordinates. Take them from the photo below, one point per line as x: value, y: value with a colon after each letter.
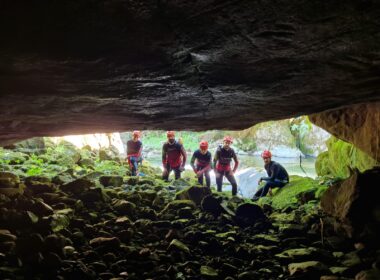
x: 70, y: 67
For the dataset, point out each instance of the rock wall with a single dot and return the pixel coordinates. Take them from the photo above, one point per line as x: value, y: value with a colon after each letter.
x: 354, y: 204
x: 357, y: 124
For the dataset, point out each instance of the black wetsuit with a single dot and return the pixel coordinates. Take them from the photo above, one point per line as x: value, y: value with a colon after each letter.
x: 277, y: 178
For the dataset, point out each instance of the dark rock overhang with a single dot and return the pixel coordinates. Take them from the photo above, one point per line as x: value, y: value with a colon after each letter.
x: 69, y: 67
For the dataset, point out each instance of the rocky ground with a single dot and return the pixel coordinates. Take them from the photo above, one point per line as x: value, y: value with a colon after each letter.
x: 81, y: 223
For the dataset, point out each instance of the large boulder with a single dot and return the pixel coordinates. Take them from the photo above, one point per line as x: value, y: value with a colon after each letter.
x: 355, y: 203
x: 78, y: 186
x: 111, y: 180
x: 39, y: 184
x: 194, y: 193
x: 248, y: 214
x: 10, y: 184
x: 212, y: 205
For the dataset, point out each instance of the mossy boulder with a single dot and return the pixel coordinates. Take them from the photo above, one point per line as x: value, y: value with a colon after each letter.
x: 193, y: 193
x: 178, y: 204
x: 310, y: 268
x: 11, y: 157
x: 248, y: 214
x: 39, y: 184
x: 289, y: 194
x: 208, y: 272
x: 212, y: 205
x: 341, y: 158
x: 124, y: 207
x: 8, y: 180
x: 297, y: 255
x: 111, y: 180
x: 178, y: 245
x: 78, y: 186
x: 10, y: 184
x: 66, y: 153
x: 182, y: 183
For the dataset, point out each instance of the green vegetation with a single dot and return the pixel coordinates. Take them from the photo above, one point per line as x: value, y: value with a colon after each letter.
x: 110, y: 167
x: 299, y: 128
x: 341, y: 158
x: 290, y: 132
x: 155, y: 139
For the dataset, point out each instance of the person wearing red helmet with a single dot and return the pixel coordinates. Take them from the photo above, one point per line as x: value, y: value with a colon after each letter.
x: 134, y: 148
x: 203, y: 163
x: 173, y: 157
x: 222, y: 164
x: 277, y: 176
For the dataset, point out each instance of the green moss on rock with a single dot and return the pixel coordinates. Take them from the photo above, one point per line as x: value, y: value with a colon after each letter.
x: 342, y: 157
x: 288, y: 194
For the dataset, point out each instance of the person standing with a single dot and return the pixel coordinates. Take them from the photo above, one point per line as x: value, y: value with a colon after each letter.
x: 173, y: 157
x: 134, y: 149
x: 201, y: 163
x: 277, y: 176
x: 222, y: 164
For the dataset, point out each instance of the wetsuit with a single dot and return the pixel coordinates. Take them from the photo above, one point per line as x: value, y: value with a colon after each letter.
x: 277, y: 178
x: 173, y: 158
x: 134, y: 155
x: 222, y: 161
x: 203, y: 164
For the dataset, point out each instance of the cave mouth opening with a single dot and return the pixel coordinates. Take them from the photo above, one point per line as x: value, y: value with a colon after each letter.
x: 74, y: 198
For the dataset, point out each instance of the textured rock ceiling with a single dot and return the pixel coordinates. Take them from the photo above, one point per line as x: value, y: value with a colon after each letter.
x: 98, y: 66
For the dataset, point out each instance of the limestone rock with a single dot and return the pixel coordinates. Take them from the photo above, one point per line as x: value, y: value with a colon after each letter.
x: 356, y: 124
x: 353, y: 202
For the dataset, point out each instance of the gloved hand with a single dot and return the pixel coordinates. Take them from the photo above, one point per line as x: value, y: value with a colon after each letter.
x: 181, y: 168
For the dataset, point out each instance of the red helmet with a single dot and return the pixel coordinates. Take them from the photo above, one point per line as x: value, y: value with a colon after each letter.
x: 203, y: 145
x: 170, y: 133
x: 266, y: 154
x: 227, y: 139
x: 136, y: 133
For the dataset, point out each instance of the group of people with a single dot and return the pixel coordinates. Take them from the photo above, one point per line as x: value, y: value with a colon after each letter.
x: 174, y: 159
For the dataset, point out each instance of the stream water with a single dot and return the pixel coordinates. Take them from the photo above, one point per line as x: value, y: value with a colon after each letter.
x: 251, y: 168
